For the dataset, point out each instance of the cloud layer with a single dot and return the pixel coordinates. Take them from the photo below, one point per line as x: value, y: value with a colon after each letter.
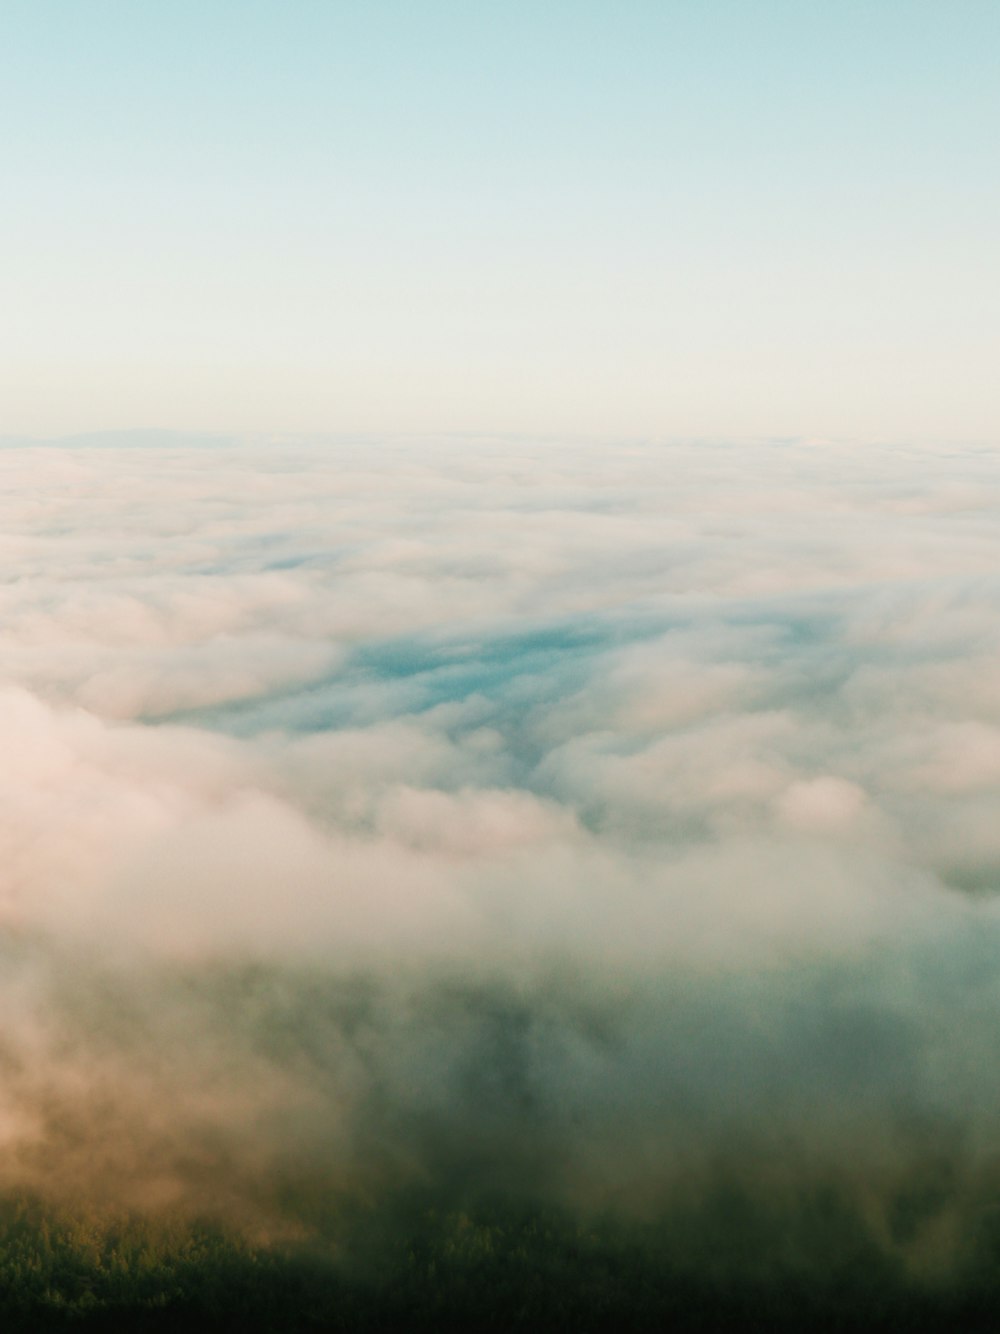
x: 585, y: 822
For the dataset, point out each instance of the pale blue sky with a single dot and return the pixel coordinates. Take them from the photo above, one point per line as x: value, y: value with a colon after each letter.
x: 699, y: 218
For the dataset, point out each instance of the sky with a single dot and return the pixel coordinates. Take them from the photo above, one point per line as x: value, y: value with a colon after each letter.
x: 640, y: 220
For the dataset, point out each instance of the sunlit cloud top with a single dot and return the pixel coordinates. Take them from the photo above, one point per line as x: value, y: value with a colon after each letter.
x: 598, y: 825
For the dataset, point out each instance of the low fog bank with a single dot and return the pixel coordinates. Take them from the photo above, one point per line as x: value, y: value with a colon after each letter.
x: 608, y: 831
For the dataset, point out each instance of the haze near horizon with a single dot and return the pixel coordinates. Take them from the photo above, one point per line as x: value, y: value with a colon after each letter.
x: 640, y: 220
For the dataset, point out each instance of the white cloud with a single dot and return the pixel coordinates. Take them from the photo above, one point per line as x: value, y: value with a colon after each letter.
x: 657, y: 729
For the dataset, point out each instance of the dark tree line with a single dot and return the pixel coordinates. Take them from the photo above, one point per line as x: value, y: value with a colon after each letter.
x: 412, y: 1265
